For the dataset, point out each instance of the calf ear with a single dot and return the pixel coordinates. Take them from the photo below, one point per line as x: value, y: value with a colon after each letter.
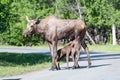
x: 27, y: 18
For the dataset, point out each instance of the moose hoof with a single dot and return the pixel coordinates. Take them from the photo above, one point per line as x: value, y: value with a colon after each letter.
x: 77, y: 66
x: 53, y: 68
x: 74, y: 67
x: 59, y: 68
x: 89, y: 65
x: 67, y: 68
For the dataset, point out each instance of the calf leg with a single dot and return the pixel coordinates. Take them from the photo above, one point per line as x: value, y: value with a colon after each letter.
x: 58, y: 62
x: 58, y: 65
x: 60, y: 56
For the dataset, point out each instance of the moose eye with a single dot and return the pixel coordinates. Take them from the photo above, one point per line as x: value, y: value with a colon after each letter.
x: 31, y: 24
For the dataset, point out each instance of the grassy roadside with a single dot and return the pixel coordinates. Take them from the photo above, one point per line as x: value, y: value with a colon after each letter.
x: 14, y: 64
x: 105, y: 48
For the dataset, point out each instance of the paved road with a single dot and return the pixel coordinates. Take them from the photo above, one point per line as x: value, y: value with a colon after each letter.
x: 24, y: 50
x: 105, y: 66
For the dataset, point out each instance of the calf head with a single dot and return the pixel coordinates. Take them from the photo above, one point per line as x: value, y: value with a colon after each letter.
x: 31, y: 27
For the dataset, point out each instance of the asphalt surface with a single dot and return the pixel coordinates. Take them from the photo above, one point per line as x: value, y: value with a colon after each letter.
x: 105, y: 66
x: 24, y: 50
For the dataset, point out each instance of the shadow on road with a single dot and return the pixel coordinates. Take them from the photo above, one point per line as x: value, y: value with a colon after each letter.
x: 83, y: 67
x: 96, y: 56
x: 100, y: 56
x: 14, y: 59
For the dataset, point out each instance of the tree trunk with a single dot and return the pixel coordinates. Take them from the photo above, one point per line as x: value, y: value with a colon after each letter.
x: 80, y: 16
x: 78, y: 7
x: 90, y: 38
x: 114, y: 34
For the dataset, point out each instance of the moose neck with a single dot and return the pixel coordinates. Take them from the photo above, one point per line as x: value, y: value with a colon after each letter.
x: 40, y: 29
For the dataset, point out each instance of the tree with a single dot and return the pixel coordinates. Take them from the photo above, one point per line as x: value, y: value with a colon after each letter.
x: 13, y: 18
x: 96, y: 13
x: 102, y: 13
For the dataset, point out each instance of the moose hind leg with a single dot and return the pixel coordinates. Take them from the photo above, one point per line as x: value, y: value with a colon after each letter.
x: 67, y: 60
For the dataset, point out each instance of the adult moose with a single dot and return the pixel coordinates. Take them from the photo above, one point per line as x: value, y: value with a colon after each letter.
x: 53, y: 29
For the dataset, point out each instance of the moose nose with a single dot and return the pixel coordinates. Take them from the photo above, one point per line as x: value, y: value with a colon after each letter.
x: 24, y: 35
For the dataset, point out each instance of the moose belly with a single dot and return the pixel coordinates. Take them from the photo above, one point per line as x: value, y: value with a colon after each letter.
x: 67, y: 34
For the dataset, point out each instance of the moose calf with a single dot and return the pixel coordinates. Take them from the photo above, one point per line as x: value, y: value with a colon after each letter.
x: 70, y: 49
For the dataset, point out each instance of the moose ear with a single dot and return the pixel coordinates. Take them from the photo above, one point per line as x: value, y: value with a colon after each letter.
x: 27, y: 18
x: 37, y: 21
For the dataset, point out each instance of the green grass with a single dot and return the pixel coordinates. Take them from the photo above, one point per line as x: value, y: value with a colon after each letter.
x: 105, y: 48
x: 14, y: 64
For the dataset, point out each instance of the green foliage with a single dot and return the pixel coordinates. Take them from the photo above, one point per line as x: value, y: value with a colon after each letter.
x: 105, y: 48
x: 4, y: 16
x: 63, y: 9
x: 97, y: 13
x: 13, y: 21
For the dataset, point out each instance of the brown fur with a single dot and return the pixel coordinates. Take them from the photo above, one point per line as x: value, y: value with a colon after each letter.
x: 54, y: 28
x: 67, y: 50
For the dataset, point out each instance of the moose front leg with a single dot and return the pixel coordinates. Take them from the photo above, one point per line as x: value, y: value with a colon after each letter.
x: 53, y: 49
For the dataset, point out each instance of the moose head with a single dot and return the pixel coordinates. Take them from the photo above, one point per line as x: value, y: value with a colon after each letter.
x: 31, y: 27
